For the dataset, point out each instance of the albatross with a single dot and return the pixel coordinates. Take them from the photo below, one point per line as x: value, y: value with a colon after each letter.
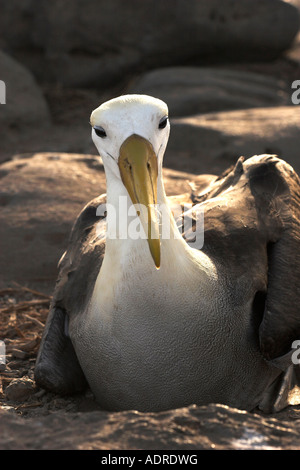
x: 152, y: 322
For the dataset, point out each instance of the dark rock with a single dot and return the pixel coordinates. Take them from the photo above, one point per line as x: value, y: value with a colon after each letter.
x: 25, y: 103
x: 95, y: 43
x: 194, y: 90
x: 211, y: 142
x: 19, y: 390
x: 40, y: 196
x: 25, y: 106
x: 294, y: 52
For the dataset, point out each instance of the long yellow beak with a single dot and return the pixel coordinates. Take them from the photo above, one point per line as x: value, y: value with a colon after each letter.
x: 139, y: 170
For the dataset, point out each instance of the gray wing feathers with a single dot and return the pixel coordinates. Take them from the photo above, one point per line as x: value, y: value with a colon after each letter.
x: 57, y: 368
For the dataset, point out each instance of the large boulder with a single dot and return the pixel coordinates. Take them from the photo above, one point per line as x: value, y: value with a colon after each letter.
x: 94, y: 43
x: 209, y: 143
x: 294, y: 52
x: 194, y: 90
x: 40, y: 197
x: 25, y: 105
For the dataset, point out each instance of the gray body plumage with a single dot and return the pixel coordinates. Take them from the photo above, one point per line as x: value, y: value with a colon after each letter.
x: 164, y: 345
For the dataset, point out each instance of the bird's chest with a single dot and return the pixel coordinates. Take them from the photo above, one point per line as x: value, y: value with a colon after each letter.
x: 142, y: 338
x: 148, y: 311
x: 155, y: 341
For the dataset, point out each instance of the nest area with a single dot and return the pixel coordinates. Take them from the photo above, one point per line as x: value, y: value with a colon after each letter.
x: 23, y: 314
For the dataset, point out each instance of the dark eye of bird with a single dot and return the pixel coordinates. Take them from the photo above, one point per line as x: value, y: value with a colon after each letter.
x: 163, y: 122
x: 100, y: 131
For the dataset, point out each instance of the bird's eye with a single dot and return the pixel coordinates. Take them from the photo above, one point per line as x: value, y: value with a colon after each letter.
x: 163, y: 122
x: 100, y: 131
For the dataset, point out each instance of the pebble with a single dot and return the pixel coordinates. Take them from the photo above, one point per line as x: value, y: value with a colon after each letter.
x: 19, y: 389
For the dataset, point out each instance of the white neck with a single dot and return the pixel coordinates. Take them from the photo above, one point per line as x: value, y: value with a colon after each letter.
x: 118, y: 202
x: 123, y: 253
x: 128, y: 266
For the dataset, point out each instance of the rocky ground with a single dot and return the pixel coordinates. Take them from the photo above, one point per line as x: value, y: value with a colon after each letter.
x: 238, y: 105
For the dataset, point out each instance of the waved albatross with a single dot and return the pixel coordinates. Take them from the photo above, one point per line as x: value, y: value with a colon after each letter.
x: 151, y: 322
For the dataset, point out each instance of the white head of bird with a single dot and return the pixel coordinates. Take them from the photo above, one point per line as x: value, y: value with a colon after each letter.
x: 131, y: 134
